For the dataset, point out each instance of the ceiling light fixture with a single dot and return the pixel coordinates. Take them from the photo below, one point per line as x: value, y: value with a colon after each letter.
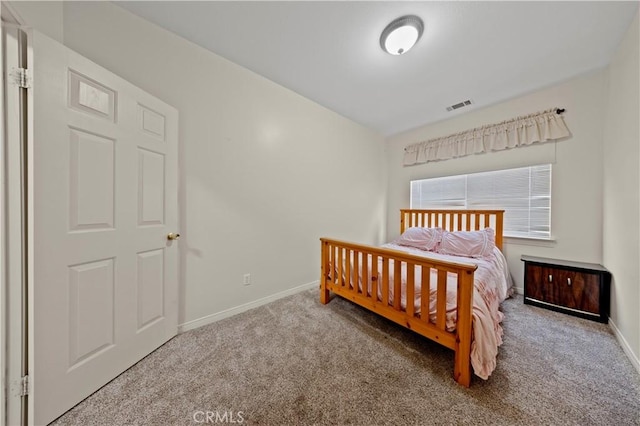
x: 401, y: 34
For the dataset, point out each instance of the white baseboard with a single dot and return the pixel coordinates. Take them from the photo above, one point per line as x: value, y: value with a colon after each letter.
x: 209, y: 319
x: 625, y: 346
x: 518, y: 290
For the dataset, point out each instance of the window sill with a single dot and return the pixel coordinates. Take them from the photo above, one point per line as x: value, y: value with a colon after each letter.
x: 529, y: 241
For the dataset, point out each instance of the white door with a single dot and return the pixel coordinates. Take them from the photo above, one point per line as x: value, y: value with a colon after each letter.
x: 104, y: 192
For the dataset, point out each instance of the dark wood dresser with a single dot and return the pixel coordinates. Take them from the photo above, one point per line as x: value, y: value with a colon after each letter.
x: 576, y: 288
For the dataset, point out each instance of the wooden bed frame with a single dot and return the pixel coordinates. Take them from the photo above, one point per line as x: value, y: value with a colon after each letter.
x: 453, y: 220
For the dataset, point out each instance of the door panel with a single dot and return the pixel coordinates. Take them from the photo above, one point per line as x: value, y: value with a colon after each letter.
x: 150, y: 288
x: 104, y: 182
x: 151, y: 192
x: 91, y: 316
x: 91, y: 181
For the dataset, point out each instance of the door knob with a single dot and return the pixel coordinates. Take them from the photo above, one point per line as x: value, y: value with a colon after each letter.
x: 173, y: 236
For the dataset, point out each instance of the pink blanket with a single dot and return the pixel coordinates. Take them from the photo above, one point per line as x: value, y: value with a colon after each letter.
x: 492, y: 284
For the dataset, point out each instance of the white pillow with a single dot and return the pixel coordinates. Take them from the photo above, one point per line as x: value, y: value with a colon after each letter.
x: 420, y: 238
x: 468, y: 243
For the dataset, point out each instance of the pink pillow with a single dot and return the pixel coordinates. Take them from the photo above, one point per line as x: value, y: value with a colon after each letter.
x: 420, y: 238
x: 468, y: 243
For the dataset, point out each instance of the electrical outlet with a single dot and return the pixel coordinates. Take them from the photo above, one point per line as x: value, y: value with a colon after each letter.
x: 246, y: 279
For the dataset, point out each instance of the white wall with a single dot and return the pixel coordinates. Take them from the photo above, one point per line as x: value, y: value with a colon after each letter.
x: 264, y: 172
x: 576, y: 218
x: 622, y: 189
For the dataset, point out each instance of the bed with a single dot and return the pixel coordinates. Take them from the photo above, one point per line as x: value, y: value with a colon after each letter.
x: 463, y: 293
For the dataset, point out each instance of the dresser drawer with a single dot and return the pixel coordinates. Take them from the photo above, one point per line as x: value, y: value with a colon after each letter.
x: 576, y: 288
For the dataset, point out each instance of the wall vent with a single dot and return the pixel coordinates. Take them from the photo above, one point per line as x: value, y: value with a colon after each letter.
x: 459, y: 105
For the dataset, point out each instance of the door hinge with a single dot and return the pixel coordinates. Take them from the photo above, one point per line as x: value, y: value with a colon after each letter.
x: 25, y: 386
x: 21, y: 77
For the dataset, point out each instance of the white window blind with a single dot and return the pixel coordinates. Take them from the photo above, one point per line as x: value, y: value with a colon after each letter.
x: 524, y: 193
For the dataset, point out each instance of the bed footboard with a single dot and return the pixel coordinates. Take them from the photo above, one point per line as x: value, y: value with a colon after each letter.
x: 371, y: 277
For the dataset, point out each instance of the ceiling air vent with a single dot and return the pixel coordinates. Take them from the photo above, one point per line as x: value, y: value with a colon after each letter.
x: 459, y: 105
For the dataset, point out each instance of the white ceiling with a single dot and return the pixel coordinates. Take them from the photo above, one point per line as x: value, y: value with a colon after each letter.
x: 329, y: 51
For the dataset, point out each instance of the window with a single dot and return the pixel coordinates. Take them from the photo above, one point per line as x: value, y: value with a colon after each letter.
x: 524, y: 193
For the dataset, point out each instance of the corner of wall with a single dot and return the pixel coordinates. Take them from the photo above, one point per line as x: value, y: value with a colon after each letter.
x: 621, y: 189
x: 46, y: 17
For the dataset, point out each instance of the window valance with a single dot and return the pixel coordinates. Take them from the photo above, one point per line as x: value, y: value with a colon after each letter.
x: 521, y: 131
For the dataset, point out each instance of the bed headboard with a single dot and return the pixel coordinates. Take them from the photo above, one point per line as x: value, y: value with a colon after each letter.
x: 454, y: 220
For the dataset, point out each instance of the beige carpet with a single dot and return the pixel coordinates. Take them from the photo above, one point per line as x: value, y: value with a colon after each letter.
x: 296, y: 362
